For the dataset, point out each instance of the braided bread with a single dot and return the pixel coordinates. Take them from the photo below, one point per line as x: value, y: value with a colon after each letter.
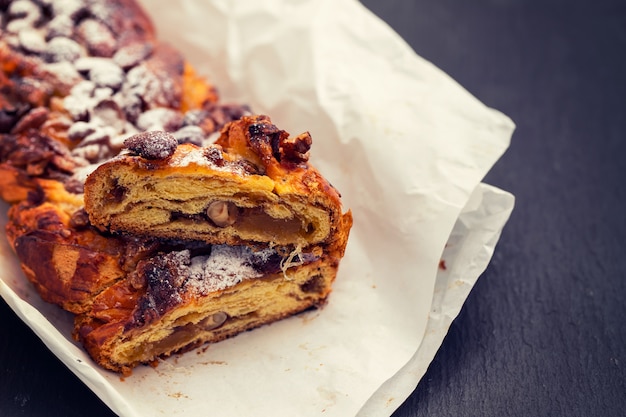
x: 158, y: 215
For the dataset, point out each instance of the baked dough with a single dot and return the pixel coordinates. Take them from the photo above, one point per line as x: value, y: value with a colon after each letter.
x: 177, y: 238
x: 138, y: 299
x: 237, y: 191
x: 145, y: 318
x: 67, y: 261
x: 224, y: 273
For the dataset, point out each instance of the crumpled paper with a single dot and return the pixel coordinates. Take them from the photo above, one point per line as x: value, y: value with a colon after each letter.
x: 406, y: 146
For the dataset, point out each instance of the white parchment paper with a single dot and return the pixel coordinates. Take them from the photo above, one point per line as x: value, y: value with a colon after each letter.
x: 406, y: 146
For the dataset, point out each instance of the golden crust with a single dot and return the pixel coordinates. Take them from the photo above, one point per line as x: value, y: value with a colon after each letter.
x: 106, y: 281
x: 233, y: 194
x: 66, y: 261
x: 39, y: 105
x: 114, y: 336
x: 141, y: 296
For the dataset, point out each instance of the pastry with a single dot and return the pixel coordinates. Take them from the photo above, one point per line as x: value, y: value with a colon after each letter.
x: 78, y: 77
x: 253, y: 185
x: 97, y: 118
x: 213, y: 272
x: 179, y: 299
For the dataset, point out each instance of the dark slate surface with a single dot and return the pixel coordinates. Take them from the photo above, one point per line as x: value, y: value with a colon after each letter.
x: 542, y: 333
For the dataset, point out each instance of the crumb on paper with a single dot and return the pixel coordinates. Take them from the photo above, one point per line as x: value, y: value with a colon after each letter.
x: 308, y: 318
x: 442, y: 265
x: 213, y: 363
x: 456, y: 284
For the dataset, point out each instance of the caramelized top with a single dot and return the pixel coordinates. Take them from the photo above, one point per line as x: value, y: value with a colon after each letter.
x: 86, y: 75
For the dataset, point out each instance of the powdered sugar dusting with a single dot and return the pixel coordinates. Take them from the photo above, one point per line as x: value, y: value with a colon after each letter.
x: 22, y: 9
x: 63, y: 49
x: 155, y: 91
x: 65, y: 72
x: 199, y: 157
x: 81, y: 173
x: 152, y: 145
x: 102, y: 71
x: 32, y: 41
x: 67, y: 7
x: 111, y: 91
x: 193, y: 157
x: 161, y: 118
x: 99, y: 39
x: 224, y: 267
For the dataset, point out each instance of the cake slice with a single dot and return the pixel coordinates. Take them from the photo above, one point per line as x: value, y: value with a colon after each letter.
x: 253, y: 186
x: 177, y: 300
x: 271, y: 252
x: 174, y: 242
x: 138, y: 299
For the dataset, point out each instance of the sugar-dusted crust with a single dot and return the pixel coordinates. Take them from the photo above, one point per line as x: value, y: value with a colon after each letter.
x: 254, y: 188
x: 140, y: 299
x: 120, y: 335
x: 271, y: 197
x: 79, y: 81
x: 77, y: 78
